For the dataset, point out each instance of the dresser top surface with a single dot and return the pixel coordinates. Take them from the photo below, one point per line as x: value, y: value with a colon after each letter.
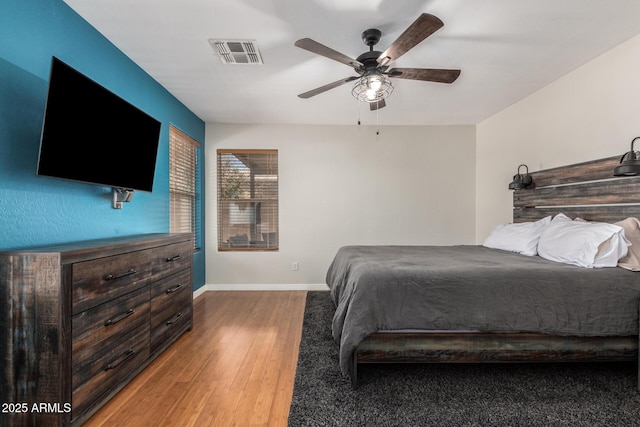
x: 88, y: 249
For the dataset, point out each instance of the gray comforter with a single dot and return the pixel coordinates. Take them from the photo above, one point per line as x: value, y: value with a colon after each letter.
x: 378, y: 288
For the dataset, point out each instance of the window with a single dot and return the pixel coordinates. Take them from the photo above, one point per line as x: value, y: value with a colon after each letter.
x: 184, y: 197
x: 247, y: 200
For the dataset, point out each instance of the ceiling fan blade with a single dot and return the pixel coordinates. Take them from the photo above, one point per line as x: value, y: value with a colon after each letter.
x: 320, y: 49
x: 325, y: 88
x: 423, y: 27
x: 377, y: 105
x: 426, y: 74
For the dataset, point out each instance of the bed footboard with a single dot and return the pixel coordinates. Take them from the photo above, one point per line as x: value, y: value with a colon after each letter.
x: 490, y: 348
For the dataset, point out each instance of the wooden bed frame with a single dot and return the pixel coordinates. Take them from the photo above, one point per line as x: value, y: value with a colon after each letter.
x: 587, y: 190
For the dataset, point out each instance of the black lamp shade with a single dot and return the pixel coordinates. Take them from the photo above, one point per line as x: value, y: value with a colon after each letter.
x: 629, y: 163
x: 521, y: 181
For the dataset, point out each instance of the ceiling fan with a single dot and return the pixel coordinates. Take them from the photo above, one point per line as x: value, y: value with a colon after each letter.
x: 373, y: 85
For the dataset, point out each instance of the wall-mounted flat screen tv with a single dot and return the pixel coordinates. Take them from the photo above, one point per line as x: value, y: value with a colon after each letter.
x: 91, y: 135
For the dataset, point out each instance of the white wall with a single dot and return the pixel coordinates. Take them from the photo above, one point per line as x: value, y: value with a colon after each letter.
x: 344, y: 185
x: 590, y: 113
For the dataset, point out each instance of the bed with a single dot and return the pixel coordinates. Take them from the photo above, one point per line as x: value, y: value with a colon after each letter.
x: 474, y: 304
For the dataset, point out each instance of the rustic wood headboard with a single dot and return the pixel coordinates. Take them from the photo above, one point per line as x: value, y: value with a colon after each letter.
x: 587, y: 190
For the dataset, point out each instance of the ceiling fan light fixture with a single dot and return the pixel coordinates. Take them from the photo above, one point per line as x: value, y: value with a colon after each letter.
x: 372, y: 87
x: 372, y: 83
x: 375, y: 83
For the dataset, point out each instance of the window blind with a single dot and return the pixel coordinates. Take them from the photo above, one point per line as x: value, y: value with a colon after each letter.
x: 184, y: 197
x: 247, y: 200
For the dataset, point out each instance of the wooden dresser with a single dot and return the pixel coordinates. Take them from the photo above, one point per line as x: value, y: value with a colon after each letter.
x: 78, y: 321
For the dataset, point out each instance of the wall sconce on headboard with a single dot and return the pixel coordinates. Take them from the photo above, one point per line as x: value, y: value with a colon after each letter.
x: 629, y: 163
x: 521, y: 181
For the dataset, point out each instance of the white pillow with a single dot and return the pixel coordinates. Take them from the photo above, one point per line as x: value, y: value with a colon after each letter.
x: 631, y: 227
x: 521, y: 238
x: 578, y: 243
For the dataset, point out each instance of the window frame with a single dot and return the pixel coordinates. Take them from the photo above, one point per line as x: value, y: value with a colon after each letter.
x: 270, y: 199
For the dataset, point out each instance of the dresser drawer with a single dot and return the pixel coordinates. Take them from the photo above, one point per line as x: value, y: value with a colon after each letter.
x: 102, y: 279
x: 172, y: 290
x: 170, y: 259
x: 168, y: 324
x: 100, y: 327
x: 93, y: 379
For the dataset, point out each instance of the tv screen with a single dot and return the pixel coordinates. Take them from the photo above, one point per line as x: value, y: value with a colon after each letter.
x: 90, y: 134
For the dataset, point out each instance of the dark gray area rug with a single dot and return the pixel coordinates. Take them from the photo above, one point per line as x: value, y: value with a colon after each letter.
x: 556, y: 394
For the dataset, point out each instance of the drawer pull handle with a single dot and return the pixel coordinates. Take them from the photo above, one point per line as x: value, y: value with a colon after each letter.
x: 126, y: 355
x: 175, y: 288
x: 119, y: 276
x: 174, y: 258
x: 116, y: 320
x: 174, y: 319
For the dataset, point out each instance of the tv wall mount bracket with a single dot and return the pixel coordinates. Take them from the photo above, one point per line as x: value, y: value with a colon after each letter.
x: 120, y: 196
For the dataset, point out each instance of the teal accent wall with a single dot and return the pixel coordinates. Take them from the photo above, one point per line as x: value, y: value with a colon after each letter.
x: 38, y: 210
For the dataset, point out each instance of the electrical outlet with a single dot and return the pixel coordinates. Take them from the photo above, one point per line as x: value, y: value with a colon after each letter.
x: 294, y: 266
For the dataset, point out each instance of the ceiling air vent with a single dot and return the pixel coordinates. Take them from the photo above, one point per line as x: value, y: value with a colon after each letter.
x: 237, y: 51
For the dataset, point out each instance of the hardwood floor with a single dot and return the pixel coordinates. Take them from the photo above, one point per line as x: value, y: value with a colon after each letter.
x: 236, y: 367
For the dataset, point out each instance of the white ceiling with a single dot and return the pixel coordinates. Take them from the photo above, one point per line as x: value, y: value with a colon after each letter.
x: 506, y: 49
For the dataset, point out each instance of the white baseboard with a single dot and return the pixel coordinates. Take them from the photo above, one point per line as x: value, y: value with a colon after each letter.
x: 201, y: 290
x: 263, y: 287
